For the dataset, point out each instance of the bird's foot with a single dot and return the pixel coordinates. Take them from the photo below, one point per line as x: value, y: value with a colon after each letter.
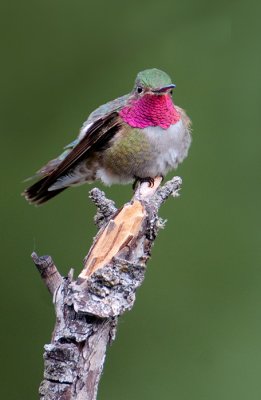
x: 142, y: 180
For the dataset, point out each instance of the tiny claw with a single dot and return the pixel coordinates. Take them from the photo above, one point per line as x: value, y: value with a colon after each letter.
x: 142, y: 180
x: 151, y: 182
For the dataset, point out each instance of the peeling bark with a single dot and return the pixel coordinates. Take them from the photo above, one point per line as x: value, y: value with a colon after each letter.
x: 87, y: 309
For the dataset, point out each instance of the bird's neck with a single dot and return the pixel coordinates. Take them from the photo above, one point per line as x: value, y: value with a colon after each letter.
x: 151, y: 110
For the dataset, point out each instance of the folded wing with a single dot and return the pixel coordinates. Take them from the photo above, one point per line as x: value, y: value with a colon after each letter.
x: 97, y: 136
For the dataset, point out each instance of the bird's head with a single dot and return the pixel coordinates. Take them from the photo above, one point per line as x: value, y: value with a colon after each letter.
x: 153, y: 82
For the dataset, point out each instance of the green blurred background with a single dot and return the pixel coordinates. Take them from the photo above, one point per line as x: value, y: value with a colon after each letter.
x: 195, y: 330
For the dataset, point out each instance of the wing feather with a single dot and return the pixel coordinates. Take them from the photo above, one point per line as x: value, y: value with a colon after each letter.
x: 98, y: 135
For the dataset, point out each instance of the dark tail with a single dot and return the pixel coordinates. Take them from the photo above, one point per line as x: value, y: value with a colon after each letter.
x: 38, y: 193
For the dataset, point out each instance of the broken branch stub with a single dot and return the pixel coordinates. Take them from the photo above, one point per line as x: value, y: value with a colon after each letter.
x: 122, y: 229
x: 116, y: 263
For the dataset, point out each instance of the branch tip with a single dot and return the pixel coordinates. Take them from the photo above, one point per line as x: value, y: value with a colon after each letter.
x: 105, y: 207
x: 170, y: 188
x: 48, y: 271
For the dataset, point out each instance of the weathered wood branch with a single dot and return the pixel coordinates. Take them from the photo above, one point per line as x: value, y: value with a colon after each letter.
x: 87, y: 308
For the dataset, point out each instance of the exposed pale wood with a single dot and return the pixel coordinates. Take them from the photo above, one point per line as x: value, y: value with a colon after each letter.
x: 119, y: 232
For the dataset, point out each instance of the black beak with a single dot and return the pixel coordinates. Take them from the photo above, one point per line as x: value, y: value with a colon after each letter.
x: 164, y: 88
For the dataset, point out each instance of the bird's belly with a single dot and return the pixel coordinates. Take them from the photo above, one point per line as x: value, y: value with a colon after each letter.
x: 171, y: 147
x: 142, y: 153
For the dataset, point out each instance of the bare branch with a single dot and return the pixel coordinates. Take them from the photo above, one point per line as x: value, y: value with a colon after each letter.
x: 87, y: 309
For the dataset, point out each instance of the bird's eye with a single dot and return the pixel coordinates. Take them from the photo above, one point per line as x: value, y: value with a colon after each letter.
x: 171, y: 92
x: 139, y: 89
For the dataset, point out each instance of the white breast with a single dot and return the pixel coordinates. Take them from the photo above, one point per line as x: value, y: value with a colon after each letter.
x: 171, y: 146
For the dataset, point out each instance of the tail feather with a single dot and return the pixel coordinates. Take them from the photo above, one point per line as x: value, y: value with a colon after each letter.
x: 38, y: 193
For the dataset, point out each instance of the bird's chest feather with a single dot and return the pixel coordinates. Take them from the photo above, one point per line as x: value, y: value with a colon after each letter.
x: 146, y: 152
x: 170, y: 145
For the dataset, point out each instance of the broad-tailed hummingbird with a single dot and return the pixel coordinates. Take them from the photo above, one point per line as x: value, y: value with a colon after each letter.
x: 136, y: 137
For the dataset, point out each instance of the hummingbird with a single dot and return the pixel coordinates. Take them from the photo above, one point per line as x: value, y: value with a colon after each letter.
x: 136, y: 137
